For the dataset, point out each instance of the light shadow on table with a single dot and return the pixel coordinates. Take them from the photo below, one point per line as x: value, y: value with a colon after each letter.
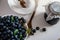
x: 40, y: 21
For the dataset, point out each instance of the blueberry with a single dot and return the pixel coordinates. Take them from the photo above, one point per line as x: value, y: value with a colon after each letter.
x: 33, y: 30
x: 20, y: 29
x: 37, y: 28
x: 12, y: 28
x: 11, y: 32
x: 4, y: 33
x: 11, y: 16
x: 12, y: 39
x: 16, y: 23
x: 21, y: 39
x: 13, y: 24
x: 23, y: 31
x: 8, y: 36
x: 18, y: 32
x: 8, y: 21
x: 24, y: 21
x: 16, y: 20
x: 16, y: 36
x: 0, y: 19
x: 0, y: 33
x: 8, y: 31
x: 15, y: 17
x: 43, y: 29
x: 8, y: 17
x: 5, y: 17
x: 12, y: 36
x: 19, y: 25
x: 24, y: 35
x: 6, y: 24
x: 1, y: 24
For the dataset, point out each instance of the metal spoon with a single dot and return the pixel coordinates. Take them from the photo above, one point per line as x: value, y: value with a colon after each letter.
x: 30, y: 21
x: 22, y: 3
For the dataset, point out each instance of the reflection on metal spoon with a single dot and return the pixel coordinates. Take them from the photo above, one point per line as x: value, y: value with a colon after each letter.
x: 22, y: 3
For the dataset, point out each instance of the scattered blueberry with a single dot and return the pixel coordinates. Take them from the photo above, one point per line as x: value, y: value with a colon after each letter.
x: 34, y: 30
x: 37, y: 28
x: 43, y: 29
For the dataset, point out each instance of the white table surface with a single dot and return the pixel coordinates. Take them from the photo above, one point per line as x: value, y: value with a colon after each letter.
x: 52, y: 33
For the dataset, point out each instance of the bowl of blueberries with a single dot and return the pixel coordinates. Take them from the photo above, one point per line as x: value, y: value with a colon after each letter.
x: 12, y: 28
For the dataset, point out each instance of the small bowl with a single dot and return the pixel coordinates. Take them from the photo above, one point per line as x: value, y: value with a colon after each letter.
x: 15, y: 6
x: 25, y: 25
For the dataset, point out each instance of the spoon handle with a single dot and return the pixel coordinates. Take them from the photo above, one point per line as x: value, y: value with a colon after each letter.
x: 30, y: 21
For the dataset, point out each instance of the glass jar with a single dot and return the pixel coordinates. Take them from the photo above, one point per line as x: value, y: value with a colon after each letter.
x: 52, y: 14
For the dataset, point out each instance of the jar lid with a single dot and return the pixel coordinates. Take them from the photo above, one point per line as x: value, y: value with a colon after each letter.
x: 55, y: 7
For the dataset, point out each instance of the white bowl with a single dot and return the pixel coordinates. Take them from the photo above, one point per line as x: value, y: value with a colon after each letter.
x: 15, y: 6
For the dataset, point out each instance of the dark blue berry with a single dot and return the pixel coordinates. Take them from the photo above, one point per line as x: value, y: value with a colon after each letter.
x: 43, y: 29
x: 1, y: 24
x: 33, y: 30
x: 15, y: 17
x: 37, y: 28
x: 24, y: 21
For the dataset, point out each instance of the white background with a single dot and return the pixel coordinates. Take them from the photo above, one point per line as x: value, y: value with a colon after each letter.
x: 52, y: 33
